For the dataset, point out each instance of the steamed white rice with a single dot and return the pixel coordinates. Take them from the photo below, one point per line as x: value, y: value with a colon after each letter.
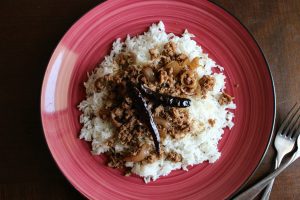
x: 195, y: 148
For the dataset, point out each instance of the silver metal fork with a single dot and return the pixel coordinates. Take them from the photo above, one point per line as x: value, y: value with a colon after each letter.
x: 257, y: 188
x: 284, y: 142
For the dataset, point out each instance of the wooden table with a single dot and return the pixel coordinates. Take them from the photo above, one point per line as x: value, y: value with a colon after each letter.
x: 29, y: 32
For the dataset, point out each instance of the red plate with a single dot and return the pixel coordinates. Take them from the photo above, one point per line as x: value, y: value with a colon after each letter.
x: 220, y: 35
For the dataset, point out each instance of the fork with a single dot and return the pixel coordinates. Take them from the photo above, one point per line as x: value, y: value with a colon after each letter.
x: 284, y: 142
x: 255, y: 189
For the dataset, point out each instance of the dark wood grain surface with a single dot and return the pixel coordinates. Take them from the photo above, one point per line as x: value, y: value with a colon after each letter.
x: 29, y: 32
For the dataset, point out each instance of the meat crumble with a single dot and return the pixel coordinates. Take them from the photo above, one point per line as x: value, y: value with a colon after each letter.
x: 211, y: 122
x: 225, y: 99
x: 174, y: 157
x: 206, y: 83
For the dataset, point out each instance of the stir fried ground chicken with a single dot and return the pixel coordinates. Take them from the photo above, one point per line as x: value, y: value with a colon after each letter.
x: 168, y: 73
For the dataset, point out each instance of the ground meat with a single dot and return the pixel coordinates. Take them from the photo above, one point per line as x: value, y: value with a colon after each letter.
x: 169, y: 49
x: 171, y: 90
x: 167, y: 74
x: 110, y: 142
x: 154, y: 53
x: 152, y: 86
x: 166, y: 79
x: 181, y: 57
x: 104, y: 113
x: 225, y: 99
x: 176, y: 120
x: 125, y: 59
x: 117, y: 116
x: 206, y: 83
x: 99, y: 84
x: 174, y: 157
x: 115, y: 160
x: 164, y: 60
x: 140, y: 131
x: 180, y: 122
x: 178, y: 113
x: 102, y: 82
x: 124, y: 118
x: 159, y: 112
x: 124, y: 134
x: 128, y: 113
x: 129, y: 128
x: 211, y: 122
x: 131, y: 73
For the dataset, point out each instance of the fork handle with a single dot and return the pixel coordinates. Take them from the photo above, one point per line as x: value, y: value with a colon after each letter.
x: 268, y: 190
x: 258, y: 187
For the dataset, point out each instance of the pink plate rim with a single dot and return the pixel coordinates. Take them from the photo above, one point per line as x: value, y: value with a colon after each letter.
x: 274, y: 103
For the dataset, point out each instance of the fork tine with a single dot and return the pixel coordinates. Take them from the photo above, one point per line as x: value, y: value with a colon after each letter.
x: 296, y: 132
x: 295, y: 126
x: 293, y: 122
x: 287, y: 119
